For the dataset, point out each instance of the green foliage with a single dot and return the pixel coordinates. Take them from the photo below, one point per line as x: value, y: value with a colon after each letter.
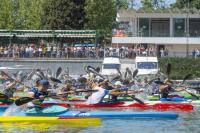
x: 7, y: 14
x: 100, y: 16
x: 153, y: 4
x: 34, y: 15
x: 123, y: 4
x: 20, y: 14
x: 63, y: 14
x: 184, y: 4
x: 181, y: 66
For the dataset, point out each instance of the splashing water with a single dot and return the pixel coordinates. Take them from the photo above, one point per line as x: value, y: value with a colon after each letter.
x: 12, y: 110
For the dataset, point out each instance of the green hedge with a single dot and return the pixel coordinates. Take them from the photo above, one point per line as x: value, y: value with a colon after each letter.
x: 181, y: 66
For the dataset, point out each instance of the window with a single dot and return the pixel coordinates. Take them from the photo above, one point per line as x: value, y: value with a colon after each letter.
x: 111, y: 66
x: 179, y: 27
x: 147, y: 65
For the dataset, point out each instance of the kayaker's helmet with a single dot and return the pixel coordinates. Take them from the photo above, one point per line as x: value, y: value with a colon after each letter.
x: 44, y: 83
x: 118, y: 83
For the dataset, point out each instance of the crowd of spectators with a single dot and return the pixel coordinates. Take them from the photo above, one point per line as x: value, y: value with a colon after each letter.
x: 43, y: 51
x: 196, y: 53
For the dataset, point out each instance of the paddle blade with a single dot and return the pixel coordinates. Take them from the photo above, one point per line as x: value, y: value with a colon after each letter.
x: 55, y: 80
x: 23, y: 100
x: 3, y: 96
x: 137, y: 100
x: 59, y: 70
x: 193, y: 95
x: 168, y: 69
x: 116, y: 78
x: 9, y: 101
x: 135, y: 73
x: 92, y: 70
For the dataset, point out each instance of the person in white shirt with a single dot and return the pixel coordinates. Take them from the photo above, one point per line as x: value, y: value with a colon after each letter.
x: 97, y: 97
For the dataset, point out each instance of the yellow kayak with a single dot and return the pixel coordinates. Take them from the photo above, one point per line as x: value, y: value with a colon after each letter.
x: 57, y: 120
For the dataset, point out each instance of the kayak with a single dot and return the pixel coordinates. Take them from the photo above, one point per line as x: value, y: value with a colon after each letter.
x: 175, y: 99
x: 57, y: 120
x: 44, y: 105
x: 4, y: 106
x: 64, y: 113
x: 185, y: 95
x: 156, y: 106
x: 119, y: 114
x: 47, y: 111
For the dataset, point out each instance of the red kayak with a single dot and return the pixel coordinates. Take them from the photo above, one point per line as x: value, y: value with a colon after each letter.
x: 157, y: 106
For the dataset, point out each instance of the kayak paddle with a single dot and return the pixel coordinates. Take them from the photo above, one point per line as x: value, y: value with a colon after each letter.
x: 58, y: 72
x: 135, y: 73
x: 55, y: 80
x: 5, y: 99
x: 192, y: 94
x: 23, y: 100
x: 137, y: 99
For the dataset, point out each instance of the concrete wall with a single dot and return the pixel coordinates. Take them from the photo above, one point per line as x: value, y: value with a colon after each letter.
x: 76, y: 67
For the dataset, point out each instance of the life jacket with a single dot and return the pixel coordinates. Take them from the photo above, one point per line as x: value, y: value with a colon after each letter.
x: 38, y: 93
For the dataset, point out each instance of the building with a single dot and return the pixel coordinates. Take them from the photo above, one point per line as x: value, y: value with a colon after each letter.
x: 76, y: 37
x: 178, y: 31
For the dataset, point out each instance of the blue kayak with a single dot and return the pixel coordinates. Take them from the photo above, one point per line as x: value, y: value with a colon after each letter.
x: 53, y: 110
x: 119, y: 114
x: 175, y: 99
x: 60, y: 111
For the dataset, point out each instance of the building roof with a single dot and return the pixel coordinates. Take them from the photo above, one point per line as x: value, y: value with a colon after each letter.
x: 167, y: 10
x: 127, y: 14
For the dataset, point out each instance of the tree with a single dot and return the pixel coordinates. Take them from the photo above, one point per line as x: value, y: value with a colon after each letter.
x: 153, y: 4
x: 184, y: 3
x: 34, y: 15
x: 8, y: 14
x: 63, y: 14
x: 122, y: 4
x: 100, y: 16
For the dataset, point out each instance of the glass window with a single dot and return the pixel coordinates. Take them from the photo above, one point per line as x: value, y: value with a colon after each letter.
x: 147, y: 65
x: 111, y: 66
x: 179, y: 27
x: 194, y: 26
x: 143, y: 27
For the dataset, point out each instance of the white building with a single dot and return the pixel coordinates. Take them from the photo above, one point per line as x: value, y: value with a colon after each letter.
x: 175, y: 30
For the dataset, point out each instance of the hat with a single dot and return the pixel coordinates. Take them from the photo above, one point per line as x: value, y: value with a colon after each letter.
x: 44, y: 82
x: 118, y: 83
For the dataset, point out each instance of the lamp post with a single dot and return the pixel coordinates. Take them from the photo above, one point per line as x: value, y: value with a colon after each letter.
x: 187, y: 29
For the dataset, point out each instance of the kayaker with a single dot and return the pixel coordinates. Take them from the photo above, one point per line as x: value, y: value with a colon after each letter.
x: 39, y: 92
x: 97, y: 97
x: 166, y: 88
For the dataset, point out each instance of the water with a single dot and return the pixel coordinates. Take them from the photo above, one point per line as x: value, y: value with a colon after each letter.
x: 187, y: 122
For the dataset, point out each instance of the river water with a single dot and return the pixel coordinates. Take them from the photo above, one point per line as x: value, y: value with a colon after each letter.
x: 188, y: 122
